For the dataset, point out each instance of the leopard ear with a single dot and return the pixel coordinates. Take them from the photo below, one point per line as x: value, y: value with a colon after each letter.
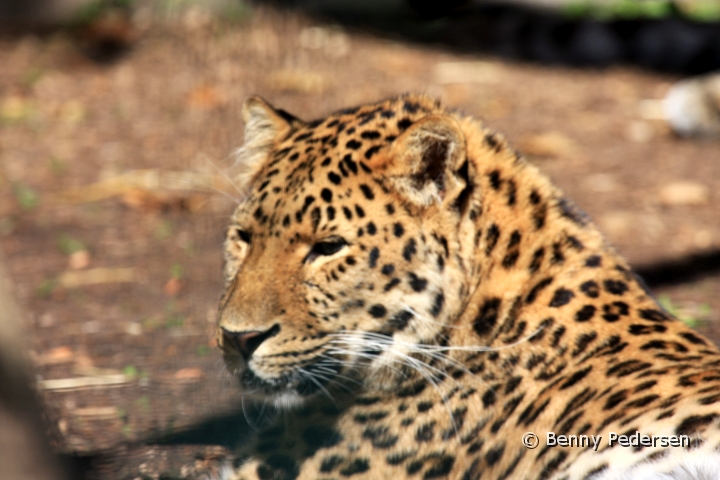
x: 263, y: 126
x: 423, y: 163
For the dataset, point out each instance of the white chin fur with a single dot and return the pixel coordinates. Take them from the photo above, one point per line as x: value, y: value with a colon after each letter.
x: 288, y: 401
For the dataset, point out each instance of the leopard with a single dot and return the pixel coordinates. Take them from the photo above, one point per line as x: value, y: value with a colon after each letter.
x: 408, y: 297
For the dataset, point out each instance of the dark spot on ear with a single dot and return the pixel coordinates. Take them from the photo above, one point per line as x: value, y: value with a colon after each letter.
x: 492, y: 141
x: 432, y: 164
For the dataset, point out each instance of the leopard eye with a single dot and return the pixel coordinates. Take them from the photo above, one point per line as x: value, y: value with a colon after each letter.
x: 243, y: 235
x: 327, y: 247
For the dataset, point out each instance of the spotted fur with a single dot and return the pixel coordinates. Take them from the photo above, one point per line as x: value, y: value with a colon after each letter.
x: 418, y: 296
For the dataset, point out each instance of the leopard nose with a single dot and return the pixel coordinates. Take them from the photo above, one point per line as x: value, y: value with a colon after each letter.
x: 248, y: 341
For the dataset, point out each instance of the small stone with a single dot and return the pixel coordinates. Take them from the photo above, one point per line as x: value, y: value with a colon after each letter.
x: 684, y: 193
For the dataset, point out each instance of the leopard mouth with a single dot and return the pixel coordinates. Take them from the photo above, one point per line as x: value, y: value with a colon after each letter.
x: 304, y: 382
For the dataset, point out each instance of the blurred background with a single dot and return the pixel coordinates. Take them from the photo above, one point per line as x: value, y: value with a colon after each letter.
x: 117, y: 123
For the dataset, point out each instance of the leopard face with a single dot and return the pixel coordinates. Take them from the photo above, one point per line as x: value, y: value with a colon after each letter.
x: 330, y: 259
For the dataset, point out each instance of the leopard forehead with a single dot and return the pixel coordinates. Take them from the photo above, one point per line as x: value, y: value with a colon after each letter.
x: 320, y: 169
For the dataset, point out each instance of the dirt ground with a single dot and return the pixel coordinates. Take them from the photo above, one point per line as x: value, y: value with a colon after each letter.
x: 113, y: 200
